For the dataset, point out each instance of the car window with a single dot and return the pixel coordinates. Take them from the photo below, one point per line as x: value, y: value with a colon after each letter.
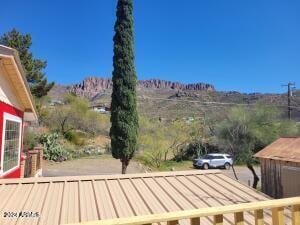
x: 229, y: 156
x: 219, y: 157
x: 208, y: 157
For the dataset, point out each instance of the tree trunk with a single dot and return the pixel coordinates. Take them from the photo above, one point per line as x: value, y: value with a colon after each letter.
x: 166, y: 155
x: 233, y: 169
x: 255, y: 177
x: 124, y: 166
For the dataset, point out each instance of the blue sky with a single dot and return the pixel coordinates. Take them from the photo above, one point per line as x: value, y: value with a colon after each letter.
x: 248, y: 46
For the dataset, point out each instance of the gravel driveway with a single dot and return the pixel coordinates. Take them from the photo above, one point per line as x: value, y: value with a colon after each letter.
x: 244, y: 174
x: 107, y: 165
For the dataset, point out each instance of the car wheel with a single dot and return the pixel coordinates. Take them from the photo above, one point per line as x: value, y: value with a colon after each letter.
x: 227, y: 166
x: 205, y: 166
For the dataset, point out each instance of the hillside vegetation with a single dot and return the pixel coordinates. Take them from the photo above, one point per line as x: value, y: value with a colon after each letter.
x: 161, y: 99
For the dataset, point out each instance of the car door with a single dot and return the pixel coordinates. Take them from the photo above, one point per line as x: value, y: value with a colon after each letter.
x: 221, y: 161
x: 213, y: 161
x: 218, y: 161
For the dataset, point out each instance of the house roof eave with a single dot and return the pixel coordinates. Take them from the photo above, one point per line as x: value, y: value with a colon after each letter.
x: 12, y: 55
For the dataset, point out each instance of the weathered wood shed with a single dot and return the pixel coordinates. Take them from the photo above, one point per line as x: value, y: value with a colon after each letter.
x: 280, y: 168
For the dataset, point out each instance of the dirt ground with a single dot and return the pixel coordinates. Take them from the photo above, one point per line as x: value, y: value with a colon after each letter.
x: 89, y: 166
x: 107, y: 165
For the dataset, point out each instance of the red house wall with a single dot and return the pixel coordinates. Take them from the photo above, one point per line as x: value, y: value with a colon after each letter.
x: 5, y: 108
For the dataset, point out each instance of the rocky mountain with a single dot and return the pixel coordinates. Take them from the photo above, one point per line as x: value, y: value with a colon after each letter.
x: 92, y: 86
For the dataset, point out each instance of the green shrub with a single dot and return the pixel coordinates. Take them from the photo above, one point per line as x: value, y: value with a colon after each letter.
x: 151, y: 157
x: 30, y: 139
x: 107, y: 148
x: 194, y: 150
x: 52, y: 149
x: 74, y: 137
x: 74, y: 115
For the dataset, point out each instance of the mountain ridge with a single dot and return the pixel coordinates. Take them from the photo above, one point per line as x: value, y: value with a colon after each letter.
x: 91, y: 86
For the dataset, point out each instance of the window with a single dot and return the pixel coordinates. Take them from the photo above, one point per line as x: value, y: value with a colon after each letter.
x: 219, y: 157
x: 208, y: 157
x: 11, y: 142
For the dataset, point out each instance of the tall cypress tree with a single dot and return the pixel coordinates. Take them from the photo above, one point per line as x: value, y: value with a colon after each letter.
x: 124, y: 117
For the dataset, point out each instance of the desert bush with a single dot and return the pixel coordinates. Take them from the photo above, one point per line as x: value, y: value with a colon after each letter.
x: 107, y: 148
x: 75, y: 115
x: 96, y: 123
x: 53, y: 150
x: 162, y: 141
x: 31, y: 139
x: 189, y: 139
x: 153, y: 144
x: 42, y: 110
x: 153, y: 158
x: 74, y: 137
x: 196, y: 149
x: 246, y: 131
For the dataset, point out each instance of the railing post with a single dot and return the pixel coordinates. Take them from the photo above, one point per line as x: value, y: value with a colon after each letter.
x: 40, y: 151
x: 259, y: 217
x: 195, y: 221
x: 278, y: 216
x: 22, y: 165
x: 33, y: 154
x: 218, y: 220
x: 239, y: 218
x: 295, y: 214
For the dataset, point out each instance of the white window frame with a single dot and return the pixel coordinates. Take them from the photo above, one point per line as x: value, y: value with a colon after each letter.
x: 10, y: 117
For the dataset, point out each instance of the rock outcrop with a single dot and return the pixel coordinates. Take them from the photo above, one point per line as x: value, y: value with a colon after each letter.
x: 92, y: 86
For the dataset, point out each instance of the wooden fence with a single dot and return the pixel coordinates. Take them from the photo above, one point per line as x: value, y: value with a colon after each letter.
x: 238, y: 210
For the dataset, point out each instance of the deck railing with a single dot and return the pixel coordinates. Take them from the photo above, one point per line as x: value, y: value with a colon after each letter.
x: 38, y: 158
x: 276, y: 206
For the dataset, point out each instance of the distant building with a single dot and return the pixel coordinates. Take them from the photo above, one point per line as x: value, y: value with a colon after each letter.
x: 280, y: 168
x: 56, y: 102
x: 16, y: 109
x: 100, y: 108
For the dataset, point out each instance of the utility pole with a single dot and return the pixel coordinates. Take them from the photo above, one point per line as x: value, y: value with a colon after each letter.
x: 291, y: 87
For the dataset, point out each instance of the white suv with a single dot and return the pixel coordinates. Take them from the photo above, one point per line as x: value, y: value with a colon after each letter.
x: 214, y: 161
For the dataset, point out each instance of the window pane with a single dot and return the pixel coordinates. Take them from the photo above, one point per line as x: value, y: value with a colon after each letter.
x: 11, y: 145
